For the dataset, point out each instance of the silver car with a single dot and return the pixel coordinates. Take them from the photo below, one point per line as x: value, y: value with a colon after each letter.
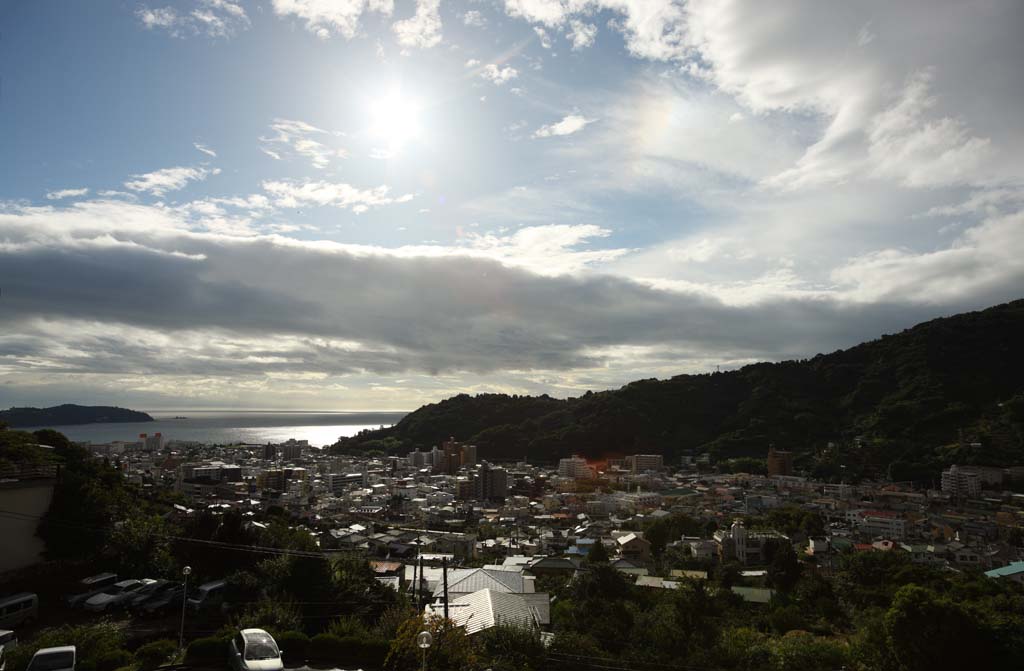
x: 115, y: 594
x: 54, y: 659
x: 255, y: 650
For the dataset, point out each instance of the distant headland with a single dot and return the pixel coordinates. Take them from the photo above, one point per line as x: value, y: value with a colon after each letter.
x: 62, y: 415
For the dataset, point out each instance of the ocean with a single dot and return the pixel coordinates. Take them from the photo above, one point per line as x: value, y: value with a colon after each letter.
x: 205, y: 426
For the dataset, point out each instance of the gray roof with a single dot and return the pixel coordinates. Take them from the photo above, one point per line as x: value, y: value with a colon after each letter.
x: 486, y: 608
x: 466, y: 581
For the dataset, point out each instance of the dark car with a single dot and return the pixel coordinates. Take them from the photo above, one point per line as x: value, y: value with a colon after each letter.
x: 164, y: 600
x: 150, y: 592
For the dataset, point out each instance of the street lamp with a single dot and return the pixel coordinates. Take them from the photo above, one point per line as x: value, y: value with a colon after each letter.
x: 424, y: 639
x: 184, y: 599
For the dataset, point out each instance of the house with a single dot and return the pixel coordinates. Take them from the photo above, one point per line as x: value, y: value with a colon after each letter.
x: 1014, y: 571
x: 486, y: 608
x: 633, y: 547
x: 466, y: 581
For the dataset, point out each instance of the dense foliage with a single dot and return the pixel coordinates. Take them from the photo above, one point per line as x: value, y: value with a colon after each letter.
x: 69, y: 413
x: 893, y: 406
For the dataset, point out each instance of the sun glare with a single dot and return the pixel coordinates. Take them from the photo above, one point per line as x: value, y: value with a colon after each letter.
x: 394, y: 120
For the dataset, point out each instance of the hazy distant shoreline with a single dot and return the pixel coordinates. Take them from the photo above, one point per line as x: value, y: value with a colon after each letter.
x: 247, y: 426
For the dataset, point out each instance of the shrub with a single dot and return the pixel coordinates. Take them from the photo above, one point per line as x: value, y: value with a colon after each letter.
x: 108, y: 660
x: 154, y: 654
x: 294, y: 644
x: 344, y: 651
x: 206, y: 651
x: 327, y: 648
x: 93, y: 642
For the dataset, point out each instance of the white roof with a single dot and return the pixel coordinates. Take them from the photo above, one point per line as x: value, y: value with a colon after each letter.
x: 486, y: 608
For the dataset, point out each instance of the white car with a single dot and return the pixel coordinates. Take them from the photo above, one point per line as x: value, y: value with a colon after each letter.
x: 54, y: 659
x: 115, y: 594
x: 255, y: 650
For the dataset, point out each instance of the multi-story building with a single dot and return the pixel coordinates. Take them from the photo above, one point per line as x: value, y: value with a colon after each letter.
x: 884, y: 523
x: 292, y: 450
x: 154, y: 443
x: 641, y: 463
x: 575, y: 467
x: 491, y: 483
x: 960, y: 482
x: 779, y: 462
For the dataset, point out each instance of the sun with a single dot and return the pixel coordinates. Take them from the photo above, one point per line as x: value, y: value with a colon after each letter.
x: 394, y: 120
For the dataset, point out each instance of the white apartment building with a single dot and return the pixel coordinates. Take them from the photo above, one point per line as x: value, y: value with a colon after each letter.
x: 575, y: 467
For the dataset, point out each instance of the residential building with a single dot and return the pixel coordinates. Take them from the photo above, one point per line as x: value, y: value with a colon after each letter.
x: 779, y: 462
x: 961, y: 482
x: 575, y: 467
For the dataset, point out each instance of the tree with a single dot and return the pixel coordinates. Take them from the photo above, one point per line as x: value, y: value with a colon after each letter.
x: 511, y: 648
x: 597, y: 553
x: 451, y: 648
x: 807, y: 652
x: 930, y: 632
x: 784, y: 570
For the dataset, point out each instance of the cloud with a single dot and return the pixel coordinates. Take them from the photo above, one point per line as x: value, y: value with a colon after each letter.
x: 159, y: 182
x: 896, y: 105
x: 204, y: 149
x: 474, y: 18
x: 293, y: 193
x: 66, y: 193
x: 652, y: 29
x: 571, y: 123
x: 329, y: 17
x: 423, y: 29
x: 582, y: 35
x: 498, y: 75
x: 542, y: 35
x: 298, y: 138
x: 212, y: 18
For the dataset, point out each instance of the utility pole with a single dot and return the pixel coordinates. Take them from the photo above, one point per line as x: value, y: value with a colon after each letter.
x: 419, y: 588
x: 444, y: 578
x: 184, y: 600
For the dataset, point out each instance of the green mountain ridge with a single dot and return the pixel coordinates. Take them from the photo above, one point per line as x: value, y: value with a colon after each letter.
x: 902, y: 406
x: 62, y: 415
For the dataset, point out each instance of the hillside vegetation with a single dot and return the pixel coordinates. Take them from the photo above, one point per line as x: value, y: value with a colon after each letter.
x: 61, y: 415
x: 902, y: 406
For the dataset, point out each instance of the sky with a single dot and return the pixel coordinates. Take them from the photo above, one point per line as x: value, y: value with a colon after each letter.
x: 374, y: 204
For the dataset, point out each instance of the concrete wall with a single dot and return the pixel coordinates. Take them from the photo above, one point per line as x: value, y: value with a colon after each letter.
x: 21, y: 546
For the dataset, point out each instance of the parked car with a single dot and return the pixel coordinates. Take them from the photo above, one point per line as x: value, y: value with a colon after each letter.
x: 162, y: 600
x: 54, y: 659
x: 255, y: 650
x: 8, y: 639
x: 207, y: 595
x: 114, y: 595
x: 18, y: 608
x: 150, y: 591
x: 88, y: 587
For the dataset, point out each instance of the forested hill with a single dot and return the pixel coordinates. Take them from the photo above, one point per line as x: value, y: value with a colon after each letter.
x: 61, y: 415
x: 899, y: 405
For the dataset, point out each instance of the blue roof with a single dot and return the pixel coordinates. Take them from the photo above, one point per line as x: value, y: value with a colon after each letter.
x: 1008, y: 570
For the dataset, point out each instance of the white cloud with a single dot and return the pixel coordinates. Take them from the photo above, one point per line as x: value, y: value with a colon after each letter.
x: 474, y: 18
x: 66, y: 193
x: 652, y: 29
x: 582, y: 35
x: 293, y: 193
x: 499, y: 75
x: 542, y: 35
x: 298, y: 138
x: 204, y: 149
x: 159, y: 182
x: 327, y: 17
x: 571, y: 123
x: 213, y: 18
x: 472, y: 63
x: 423, y: 29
